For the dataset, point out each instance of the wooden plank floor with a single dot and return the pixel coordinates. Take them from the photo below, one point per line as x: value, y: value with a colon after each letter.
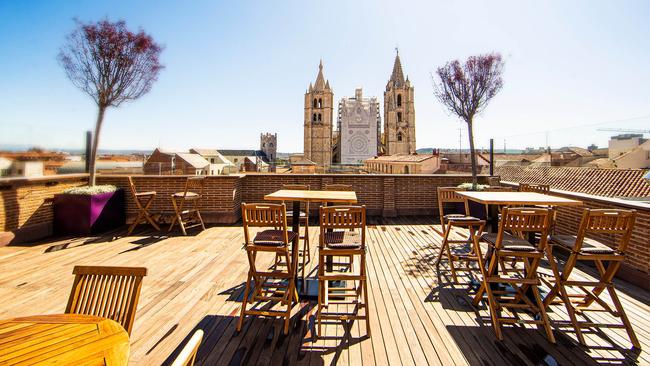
x: 417, y: 315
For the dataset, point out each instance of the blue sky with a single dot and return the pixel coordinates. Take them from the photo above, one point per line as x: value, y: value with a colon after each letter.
x: 236, y: 69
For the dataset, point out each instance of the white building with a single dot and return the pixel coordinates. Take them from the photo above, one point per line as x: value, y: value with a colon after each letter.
x: 359, y: 126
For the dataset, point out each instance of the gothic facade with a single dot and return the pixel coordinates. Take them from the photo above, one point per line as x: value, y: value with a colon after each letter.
x: 319, y: 105
x: 359, y: 126
x: 399, y: 113
x: 353, y: 145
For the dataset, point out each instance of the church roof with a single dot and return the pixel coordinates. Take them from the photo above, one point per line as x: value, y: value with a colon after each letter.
x: 320, y: 84
x: 397, y: 77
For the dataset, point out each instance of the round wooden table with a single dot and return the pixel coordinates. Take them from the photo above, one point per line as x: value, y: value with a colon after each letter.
x: 63, y: 339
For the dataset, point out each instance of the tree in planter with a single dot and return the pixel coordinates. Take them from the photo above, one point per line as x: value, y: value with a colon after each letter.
x: 111, y: 64
x: 466, y: 90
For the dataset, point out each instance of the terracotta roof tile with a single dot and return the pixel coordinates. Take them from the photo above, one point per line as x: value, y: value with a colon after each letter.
x: 596, y: 181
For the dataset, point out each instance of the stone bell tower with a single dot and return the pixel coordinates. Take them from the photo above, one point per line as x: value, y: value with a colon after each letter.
x: 319, y: 102
x: 269, y: 145
x: 399, y: 113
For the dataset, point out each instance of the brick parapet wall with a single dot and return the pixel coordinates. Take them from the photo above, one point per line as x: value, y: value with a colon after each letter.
x: 637, y: 261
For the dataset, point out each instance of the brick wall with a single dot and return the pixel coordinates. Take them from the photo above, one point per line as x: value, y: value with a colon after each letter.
x: 26, y: 205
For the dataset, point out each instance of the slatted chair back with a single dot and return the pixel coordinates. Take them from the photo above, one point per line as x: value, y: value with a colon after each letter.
x: 134, y: 192
x: 450, y: 195
x: 338, y: 187
x: 618, y: 223
x: 538, y: 188
x: 264, y: 215
x: 345, y: 218
x: 187, y: 357
x: 525, y: 220
x: 109, y: 292
x: 195, y: 185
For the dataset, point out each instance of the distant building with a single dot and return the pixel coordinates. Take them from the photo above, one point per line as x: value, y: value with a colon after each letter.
x: 103, y: 167
x: 462, y: 162
x: 269, y: 145
x: 359, y: 126
x: 319, y: 111
x: 621, y: 144
x: 399, y: 113
x: 219, y: 164
x: 571, y: 156
x: 636, y: 158
x: 247, y: 160
x: 403, y: 164
x: 164, y: 162
x: 5, y: 166
x: 301, y: 165
x: 27, y: 169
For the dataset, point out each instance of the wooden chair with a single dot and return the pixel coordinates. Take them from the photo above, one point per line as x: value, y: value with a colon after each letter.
x: 617, y: 225
x: 342, y: 233
x: 524, y: 280
x: 188, y: 353
x: 186, y: 205
x: 449, y: 222
x: 277, y: 284
x: 143, y: 201
x: 304, y: 222
x: 109, y: 292
x: 539, y: 188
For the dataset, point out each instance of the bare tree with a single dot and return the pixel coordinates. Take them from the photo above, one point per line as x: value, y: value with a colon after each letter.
x: 111, y: 64
x: 466, y: 90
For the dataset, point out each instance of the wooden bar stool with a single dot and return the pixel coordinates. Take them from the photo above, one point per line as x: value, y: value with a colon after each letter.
x: 340, y: 188
x: 143, y: 201
x: 524, y: 280
x: 303, y: 216
x: 276, y: 285
x: 539, y: 188
x: 617, y: 225
x: 342, y: 233
x: 449, y: 222
x: 186, y: 205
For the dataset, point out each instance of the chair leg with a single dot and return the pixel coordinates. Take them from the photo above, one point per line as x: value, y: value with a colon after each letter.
x: 244, y: 302
x: 198, y: 215
x: 623, y: 316
x: 364, y: 284
x: 444, y: 245
x: 559, y: 289
x: 134, y: 224
x: 543, y: 315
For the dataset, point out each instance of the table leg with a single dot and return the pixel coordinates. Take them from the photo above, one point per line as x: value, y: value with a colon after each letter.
x: 493, y: 219
x: 296, y: 241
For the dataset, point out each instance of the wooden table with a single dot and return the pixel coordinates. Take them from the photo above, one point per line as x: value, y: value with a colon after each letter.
x: 63, y: 339
x: 495, y: 199
x: 297, y: 196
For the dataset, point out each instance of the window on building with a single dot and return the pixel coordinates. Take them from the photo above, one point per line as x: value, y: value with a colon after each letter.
x: 406, y: 169
x: 236, y: 160
x: 399, y: 116
x: 319, y: 117
x: 399, y: 136
x: 212, y: 160
x: 320, y: 103
x: 315, y: 103
x: 314, y: 118
x: 399, y: 100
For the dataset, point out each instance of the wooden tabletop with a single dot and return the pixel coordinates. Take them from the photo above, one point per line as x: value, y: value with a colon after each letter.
x: 63, y: 339
x: 518, y: 198
x: 312, y: 196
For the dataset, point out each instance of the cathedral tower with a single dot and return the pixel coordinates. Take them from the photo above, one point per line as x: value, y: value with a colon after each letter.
x: 319, y: 102
x: 269, y: 145
x: 399, y: 113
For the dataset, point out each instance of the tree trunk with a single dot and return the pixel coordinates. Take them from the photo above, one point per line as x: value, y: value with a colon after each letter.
x: 93, y: 150
x: 470, y: 134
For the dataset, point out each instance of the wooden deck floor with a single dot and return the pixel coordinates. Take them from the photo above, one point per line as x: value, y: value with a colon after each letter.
x: 417, y: 315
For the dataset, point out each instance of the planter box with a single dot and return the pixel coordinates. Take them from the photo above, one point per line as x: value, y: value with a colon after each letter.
x: 81, y: 214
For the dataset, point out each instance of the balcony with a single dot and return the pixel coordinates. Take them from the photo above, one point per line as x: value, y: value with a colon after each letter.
x: 418, y: 315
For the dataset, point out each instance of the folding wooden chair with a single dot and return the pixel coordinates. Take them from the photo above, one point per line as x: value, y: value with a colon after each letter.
x: 277, y: 284
x: 616, y: 225
x: 186, y: 205
x: 143, y: 201
x: 539, y: 188
x: 303, y: 216
x: 187, y: 357
x: 523, y: 279
x: 338, y: 187
x: 449, y: 222
x: 109, y: 292
x: 342, y: 233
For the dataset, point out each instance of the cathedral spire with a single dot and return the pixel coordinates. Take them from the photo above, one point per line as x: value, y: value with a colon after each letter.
x: 320, y: 80
x: 397, y: 77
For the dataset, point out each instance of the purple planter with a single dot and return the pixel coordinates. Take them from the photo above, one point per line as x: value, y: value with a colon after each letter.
x: 81, y: 214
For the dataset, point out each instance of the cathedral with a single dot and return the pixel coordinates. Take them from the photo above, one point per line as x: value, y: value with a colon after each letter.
x: 358, y: 135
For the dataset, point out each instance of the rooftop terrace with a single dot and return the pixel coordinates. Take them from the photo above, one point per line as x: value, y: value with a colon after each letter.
x: 417, y: 315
